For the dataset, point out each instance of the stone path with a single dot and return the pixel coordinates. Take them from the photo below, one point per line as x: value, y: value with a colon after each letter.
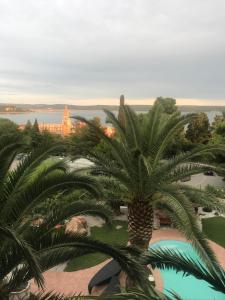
x: 70, y: 283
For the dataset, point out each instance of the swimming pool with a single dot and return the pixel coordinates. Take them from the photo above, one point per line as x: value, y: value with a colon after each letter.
x: 187, y: 287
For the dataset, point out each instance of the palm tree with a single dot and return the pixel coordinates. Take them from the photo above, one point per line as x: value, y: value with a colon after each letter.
x: 138, y: 162
x: 27, y: 251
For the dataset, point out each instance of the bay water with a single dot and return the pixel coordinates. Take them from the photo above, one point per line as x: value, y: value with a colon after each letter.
x: 56, y: 116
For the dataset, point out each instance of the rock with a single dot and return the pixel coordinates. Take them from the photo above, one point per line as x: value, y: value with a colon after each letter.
x: 94, y: 221
x: 37, y: 222
x: 77, y: 225
x: 119, y: 227
x: 58, y: 226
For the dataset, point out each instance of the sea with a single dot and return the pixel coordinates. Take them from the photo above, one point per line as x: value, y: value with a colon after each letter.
x: 56, y: 116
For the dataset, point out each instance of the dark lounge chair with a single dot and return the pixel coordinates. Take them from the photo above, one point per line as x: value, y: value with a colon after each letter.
x: 104, y: 275
x: 113, y: 286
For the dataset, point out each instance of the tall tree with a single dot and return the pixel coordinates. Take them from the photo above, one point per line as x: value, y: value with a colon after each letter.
x: 138, y: 163
x: 28, y: 127
x: 168, y: 105
x: 179, y: 143
x: 218, y: 135
x: 219, y: 124
x: 218, y: 119
x: 35, y: 135
x: 220, y: 130
x: 198, y: 130
x: 36, y: 126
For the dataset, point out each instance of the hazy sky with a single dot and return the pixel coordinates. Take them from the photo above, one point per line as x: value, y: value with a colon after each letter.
x: 91, y: 51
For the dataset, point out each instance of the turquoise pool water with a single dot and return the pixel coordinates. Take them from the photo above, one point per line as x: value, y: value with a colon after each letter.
x: 188, y: 287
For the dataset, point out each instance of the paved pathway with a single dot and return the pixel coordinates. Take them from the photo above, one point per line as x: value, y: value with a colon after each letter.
x: 201, y: 181
x: 70, y: 283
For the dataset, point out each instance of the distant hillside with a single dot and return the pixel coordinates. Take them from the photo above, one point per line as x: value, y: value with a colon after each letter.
x: 183, y: 108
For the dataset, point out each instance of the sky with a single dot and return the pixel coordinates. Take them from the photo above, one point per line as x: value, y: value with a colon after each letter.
x: 92, y: 51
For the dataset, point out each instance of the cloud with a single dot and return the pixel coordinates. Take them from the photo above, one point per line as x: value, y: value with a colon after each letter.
x: 85, y: 49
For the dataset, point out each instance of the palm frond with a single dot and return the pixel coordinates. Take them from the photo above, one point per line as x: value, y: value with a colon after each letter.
x: 27, y: 253
x: 7, y: 155
x: 164, y: 258
x: 182, y: 214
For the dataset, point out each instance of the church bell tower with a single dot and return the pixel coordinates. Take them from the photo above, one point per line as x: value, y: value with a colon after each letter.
x: 66, y: 122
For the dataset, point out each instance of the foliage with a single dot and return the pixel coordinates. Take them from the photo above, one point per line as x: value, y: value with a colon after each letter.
x: 218, y: 120
x: 220, y: 130
x: 34, y: 138
x: 115, y: 234
x: 218, y: 192
x: 114, y: 193
x: 218, y: 135
x: 198, y: 130
x: 207, y: 209
x: 28, y: 127
x: 164, y: 258
x: 9, y: 129
x: 179, y: 143
x: 84, y: 137
x: 168, y: 105
x: 27, y: 251
x: 138, y: 163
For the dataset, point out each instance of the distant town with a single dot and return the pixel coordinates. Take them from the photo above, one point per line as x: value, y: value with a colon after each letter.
x: 12, y: 109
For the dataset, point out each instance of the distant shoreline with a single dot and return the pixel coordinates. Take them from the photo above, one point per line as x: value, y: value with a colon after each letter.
x: 30, y: 111
x: 14, y: 112
x: 38, y: 108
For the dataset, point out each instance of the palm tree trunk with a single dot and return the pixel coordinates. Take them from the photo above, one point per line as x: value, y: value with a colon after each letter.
x: 140, y: 224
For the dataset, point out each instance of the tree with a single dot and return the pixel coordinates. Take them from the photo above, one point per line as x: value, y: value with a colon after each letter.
x: 221, y: 129
x: 27, y: 133
x: 49, y: 138
x: 34, y: 135
x: 198, y: 130
x: 168, y: 105
x: 36, y: 126
x: 218, y: 135
x: 218, y: 120
x: 27, y: 251
x: 28, y: 127
x: 10, y: 129
x: 84, y: 137
x: 218, y: 126
x: 179, y: 143
x: 138, y: 164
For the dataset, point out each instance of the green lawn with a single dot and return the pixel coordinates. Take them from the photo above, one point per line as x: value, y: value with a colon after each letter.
x: 107, y: 234
x: 214, y: 229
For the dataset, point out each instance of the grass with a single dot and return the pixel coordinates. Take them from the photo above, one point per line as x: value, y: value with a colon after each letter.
x: 214, y: 229
x: 107, y: 234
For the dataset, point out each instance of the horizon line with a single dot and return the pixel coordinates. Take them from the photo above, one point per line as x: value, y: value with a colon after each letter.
x: 94, y: 105
x: 54, y: 100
